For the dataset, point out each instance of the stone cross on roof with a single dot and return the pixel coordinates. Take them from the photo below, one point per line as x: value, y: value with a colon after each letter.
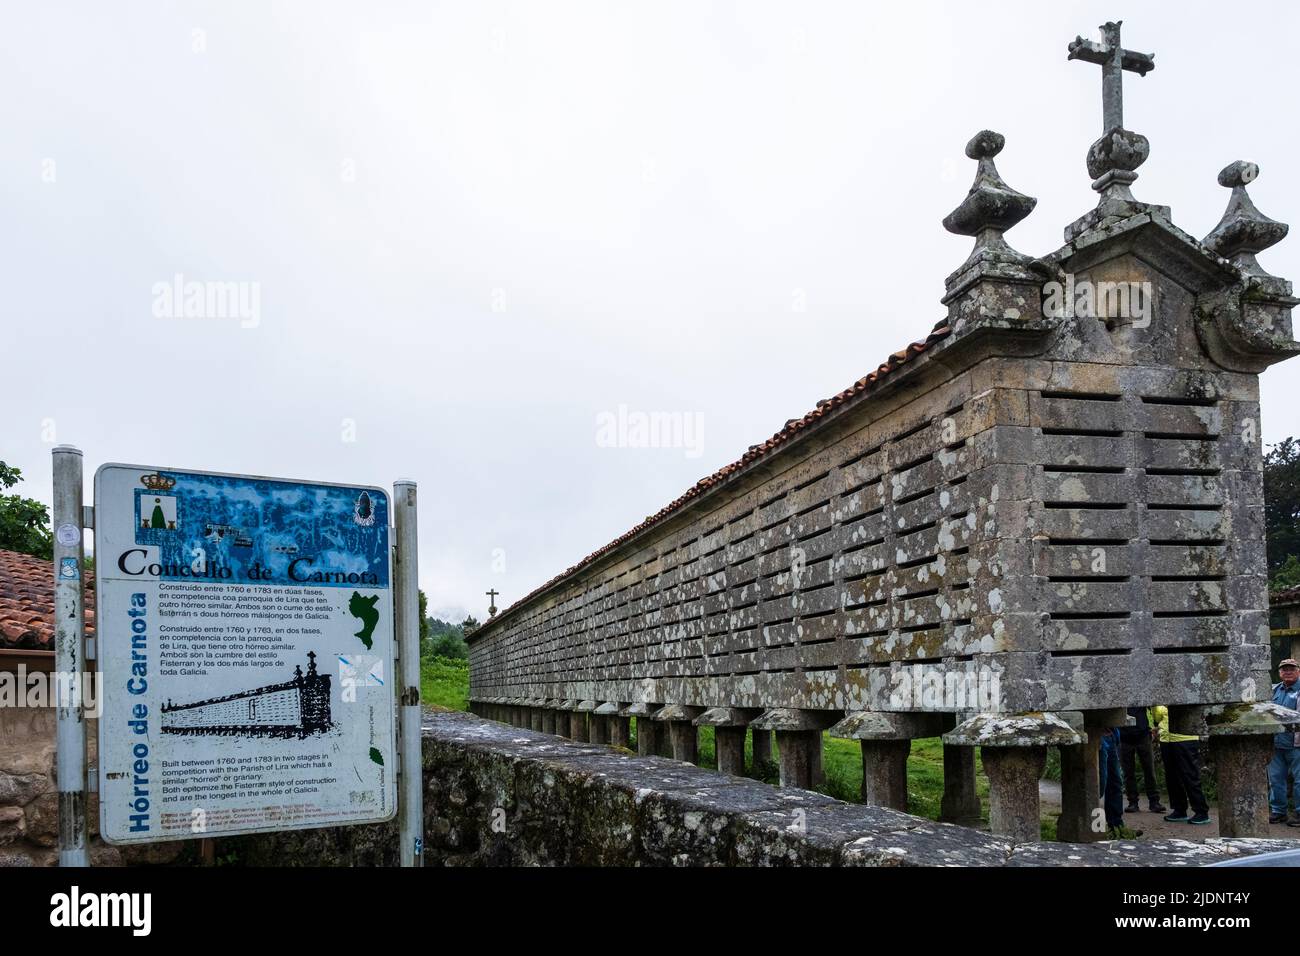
x: 1114, y: 158
x: 492, y: 601
x: 1114, y: 60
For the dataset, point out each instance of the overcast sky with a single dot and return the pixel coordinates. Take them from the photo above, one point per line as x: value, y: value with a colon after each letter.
x: 475, y: 228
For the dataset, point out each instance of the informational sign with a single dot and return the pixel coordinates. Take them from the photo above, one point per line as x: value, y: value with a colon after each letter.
x: 245, y: 635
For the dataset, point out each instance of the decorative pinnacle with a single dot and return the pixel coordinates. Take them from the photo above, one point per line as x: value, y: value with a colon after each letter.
x: 1244, y: 230
x: 990, y: 208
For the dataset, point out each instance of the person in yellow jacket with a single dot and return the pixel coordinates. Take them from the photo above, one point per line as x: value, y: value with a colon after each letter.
x: 1181, y: 755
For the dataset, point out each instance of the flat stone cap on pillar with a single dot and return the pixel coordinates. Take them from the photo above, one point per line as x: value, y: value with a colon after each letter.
x: 585, y: 706
x: 676, y: 712
x: 638, y: 709
x: 569, y: 705
x: 554, y: 704
x: 726, y: 717
x: 787, y: 718
x: 607, y: 709
x: 1014, y: 730
x: 1097, y: 719
x: 536, y: 702
x: 1241, y: 720
x: 877, y: 725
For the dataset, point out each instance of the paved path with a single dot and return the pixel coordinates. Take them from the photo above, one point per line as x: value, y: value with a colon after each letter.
x: 1151, y: 824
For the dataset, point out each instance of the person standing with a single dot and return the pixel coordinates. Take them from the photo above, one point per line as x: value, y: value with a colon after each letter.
x: 1135, y: 741
x: 1112, y: 781
x: 1181, y: 754
x: 1285, y: 765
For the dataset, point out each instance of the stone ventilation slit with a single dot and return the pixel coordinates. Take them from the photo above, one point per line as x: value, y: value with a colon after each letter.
x: 1083, y: 396
x: 1083, y: 432
x: 1090, y: 615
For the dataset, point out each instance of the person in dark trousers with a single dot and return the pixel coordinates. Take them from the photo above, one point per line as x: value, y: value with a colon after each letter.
x: 1135, y: 741
x: 1112, y: 780
x: 1181, y: 754
x: 1285, y: 765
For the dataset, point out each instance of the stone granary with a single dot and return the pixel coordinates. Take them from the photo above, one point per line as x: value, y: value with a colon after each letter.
x: 1047, y: 510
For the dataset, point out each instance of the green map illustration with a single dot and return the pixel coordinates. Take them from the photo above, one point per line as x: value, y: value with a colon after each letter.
x: 363, y: 609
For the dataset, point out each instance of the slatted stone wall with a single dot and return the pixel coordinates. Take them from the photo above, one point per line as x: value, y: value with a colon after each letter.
x: 1074, y: 547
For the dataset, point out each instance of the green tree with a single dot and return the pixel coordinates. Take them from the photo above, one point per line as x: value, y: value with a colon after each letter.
x: 424, y: 617
x: 24, y: 522
x: 1282, y: 504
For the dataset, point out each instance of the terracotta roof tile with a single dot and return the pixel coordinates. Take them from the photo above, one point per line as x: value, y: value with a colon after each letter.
x: 27, y: 602
x: 791, y: 429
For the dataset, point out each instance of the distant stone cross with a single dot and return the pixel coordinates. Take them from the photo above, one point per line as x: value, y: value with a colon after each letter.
x: 492, y: 600
x: 1114, y: 60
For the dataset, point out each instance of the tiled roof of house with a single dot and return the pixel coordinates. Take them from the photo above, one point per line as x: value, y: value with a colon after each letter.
x: 1285, y: 596
x: 27, y: 603
x: 788, y: 432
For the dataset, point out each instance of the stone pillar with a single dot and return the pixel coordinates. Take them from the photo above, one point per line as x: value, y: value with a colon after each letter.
x: 1241, y: 745
x: 815, y: 768
x: 536, y: 711
x: 1081, y: 776
x: 548, y: 718
x: 682, y: 735
x: 647, y: 737
x: 620, y: 731
x: 663, y: 740
x: 1080, y: 791
x: 884, y: 773
x: 761, y: 747
x: 1013, y: 774
x: 578, y: 725
x: 729, y: 746
x: 794, y: 752
x: 647, y: 741
x: 603, y: 719
x: 685, y: 741
x: 961, y: 800
x: 798, y: 742
x: 886, y: 740
x: 1014, y: 751
x: 728, y: 725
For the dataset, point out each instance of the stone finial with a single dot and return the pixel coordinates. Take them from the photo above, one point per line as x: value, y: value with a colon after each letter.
x: 1244, y: 230
x: 989, y: 209
x: 991, y: 206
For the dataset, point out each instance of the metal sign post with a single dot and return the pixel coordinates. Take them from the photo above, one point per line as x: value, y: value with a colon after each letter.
x: 69, y: 656
x: 407, y: 618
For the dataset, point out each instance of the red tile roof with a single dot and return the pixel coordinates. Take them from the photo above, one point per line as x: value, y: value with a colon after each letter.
x: 27, y: 603
x: 1285, y: 596
x: 791, y: 430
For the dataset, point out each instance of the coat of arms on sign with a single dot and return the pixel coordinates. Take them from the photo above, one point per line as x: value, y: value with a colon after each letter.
x: 158, y: 512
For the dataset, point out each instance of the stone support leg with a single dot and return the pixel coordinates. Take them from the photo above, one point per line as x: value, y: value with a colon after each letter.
x: 729, y: 745
x: 884, y: 773
x: 794, y: 749
x: 1013, y: 774
x: 961, y: 801
x: 620, y: 732
x: 685, y: 739
x: 1241, y: 765
x: 761, y: 747
x: 1080, y: 792
x: 578, y: 726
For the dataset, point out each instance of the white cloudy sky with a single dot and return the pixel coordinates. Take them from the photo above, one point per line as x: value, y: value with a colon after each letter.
x: 476, y: 226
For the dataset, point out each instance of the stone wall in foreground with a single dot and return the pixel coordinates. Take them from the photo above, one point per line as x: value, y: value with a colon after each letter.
x: 497, y: 795
x: 503, y: 796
